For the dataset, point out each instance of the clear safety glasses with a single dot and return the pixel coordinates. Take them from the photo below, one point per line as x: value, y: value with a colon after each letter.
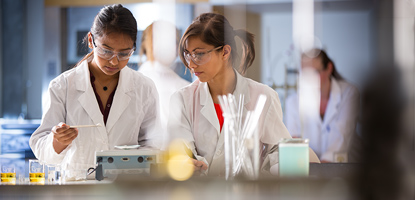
x: 109, y: 55
x: 199, y: 57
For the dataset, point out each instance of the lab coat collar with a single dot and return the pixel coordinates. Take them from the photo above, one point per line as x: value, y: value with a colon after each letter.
x: 241, y: 88
x: 208, y: 109
x: 120, y: 101
x: 87, y: 100
x: 334, y: 100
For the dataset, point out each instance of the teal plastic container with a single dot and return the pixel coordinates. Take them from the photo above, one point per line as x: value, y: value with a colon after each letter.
x: 293, y: 157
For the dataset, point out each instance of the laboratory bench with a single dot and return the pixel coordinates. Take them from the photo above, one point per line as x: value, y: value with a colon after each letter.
x: 326, y: 180
x: 331, y: 181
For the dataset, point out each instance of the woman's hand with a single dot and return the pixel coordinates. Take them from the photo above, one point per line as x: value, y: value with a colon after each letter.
x: 63, y: 135
x: 200, y: 166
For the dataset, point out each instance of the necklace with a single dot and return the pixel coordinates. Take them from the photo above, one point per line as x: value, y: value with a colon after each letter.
x: 105, y: 88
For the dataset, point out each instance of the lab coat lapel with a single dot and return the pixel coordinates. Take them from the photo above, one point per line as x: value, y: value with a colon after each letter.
x: 217, y: 166
x: 87, y: 100
x: 335, y: 97
x: 242, y: 89
x: 208, y: 109
x: 121, y: 99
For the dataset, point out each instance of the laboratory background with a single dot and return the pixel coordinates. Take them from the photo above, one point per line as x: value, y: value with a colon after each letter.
x: 371, y: 42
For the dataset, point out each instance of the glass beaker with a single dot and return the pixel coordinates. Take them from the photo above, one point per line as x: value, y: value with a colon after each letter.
x: 36, y: 171
x: 8, y: 174
x: 54, y: 174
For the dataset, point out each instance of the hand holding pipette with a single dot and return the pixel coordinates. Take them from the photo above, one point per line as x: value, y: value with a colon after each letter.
x: 63, y: 135
x: 200, y: 166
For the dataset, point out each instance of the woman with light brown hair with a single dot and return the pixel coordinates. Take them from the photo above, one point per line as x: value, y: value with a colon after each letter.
x: 159, y: 46
x: 208, y: 49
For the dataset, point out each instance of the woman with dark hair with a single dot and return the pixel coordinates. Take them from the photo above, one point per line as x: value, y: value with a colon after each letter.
x: 99, y: 90
x: 208, y: 49
x: 330, y: 131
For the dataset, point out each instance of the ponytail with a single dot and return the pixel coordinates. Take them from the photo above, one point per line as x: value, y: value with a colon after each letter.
x: 326, y: 60
x: 248, y: 49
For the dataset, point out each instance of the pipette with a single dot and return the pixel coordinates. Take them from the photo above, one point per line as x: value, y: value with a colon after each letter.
x: 85, y: 126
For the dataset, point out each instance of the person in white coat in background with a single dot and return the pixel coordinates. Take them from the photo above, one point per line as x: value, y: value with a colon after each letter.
x: 159, y: 45
x: 195, y: 114
x: 99, y: 89
x: 330, y: 131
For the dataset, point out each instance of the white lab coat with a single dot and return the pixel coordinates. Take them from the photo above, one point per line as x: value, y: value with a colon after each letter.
x: 132, y: 120
x: 332, y: 134
x: 167, y: 82
x: 193, y: 118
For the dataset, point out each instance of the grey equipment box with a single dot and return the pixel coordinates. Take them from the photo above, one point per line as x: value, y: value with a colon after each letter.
x: 114, y: 162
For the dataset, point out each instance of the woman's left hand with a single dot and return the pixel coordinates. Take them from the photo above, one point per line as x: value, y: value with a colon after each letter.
x: 200, y: 166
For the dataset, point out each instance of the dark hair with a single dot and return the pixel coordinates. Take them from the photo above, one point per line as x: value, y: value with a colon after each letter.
x: 112, y: 19
x: 325, y: 60
x: 214, y: 29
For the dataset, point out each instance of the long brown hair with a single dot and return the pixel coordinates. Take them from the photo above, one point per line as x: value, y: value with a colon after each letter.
x: 112, y: 19
x: 214, y: 29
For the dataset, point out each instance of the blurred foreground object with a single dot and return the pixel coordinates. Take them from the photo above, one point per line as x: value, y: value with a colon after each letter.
x: 242, y: 153
x: 179, y: 165
x: 387, y: 162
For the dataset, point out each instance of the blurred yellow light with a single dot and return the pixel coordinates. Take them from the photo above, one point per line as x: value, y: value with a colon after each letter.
x: 178, y: 147
x: 175, y: 148
x: 180, y: 167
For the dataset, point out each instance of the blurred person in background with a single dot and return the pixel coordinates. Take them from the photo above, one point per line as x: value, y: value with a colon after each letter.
x: 159, y: 45
x: 196, y: 116
x: 99, y: 89
x: 330, y: 131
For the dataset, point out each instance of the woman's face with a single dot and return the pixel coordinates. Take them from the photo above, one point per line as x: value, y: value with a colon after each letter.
x: 111, y: 52
x: 210, y: 62
x: 317, y: 65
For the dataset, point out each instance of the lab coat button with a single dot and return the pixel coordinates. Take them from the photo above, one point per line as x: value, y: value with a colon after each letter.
x: 108, y: 105
x: 218, y: 152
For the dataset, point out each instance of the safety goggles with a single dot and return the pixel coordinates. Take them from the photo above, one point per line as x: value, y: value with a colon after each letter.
x: 199, y: 57
x: 109, y: 55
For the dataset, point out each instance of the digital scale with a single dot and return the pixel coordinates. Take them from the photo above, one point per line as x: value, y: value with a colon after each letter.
x: 114, y: 162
